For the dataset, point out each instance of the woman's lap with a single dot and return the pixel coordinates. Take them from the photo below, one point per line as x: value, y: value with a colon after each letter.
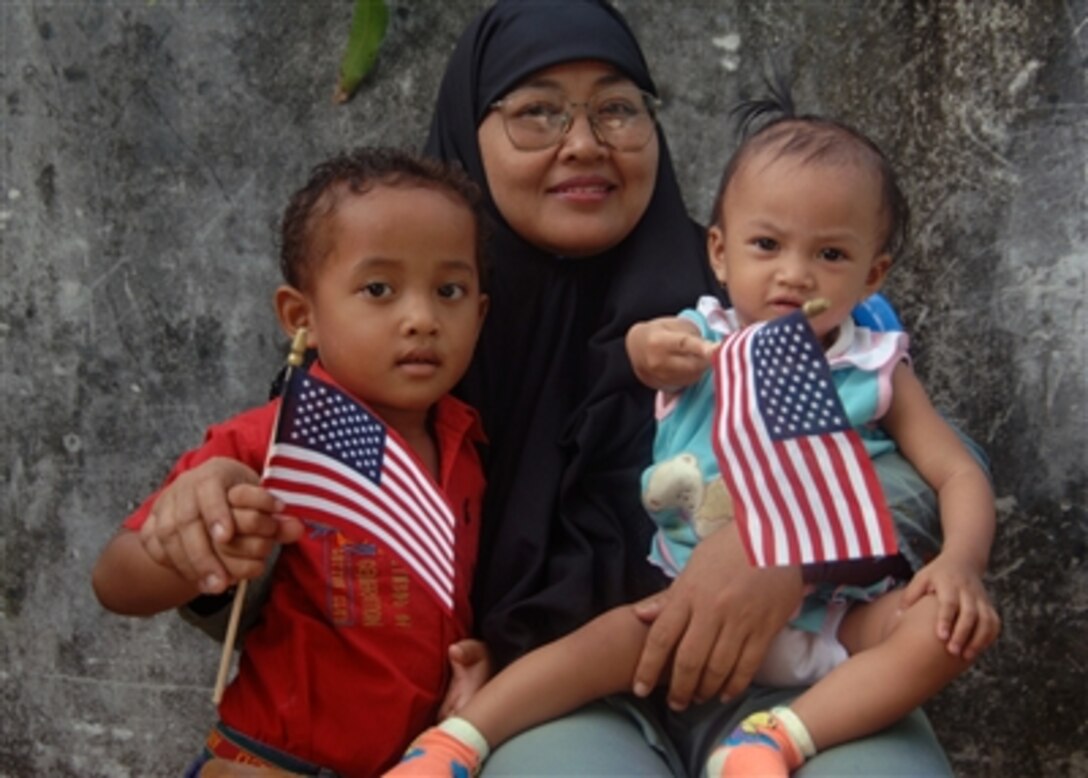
x: 908, y: 748
x: 613, y: 738
x: 599, y: 739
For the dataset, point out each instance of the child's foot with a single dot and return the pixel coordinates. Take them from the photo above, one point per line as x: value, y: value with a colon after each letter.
x: 438, y: 753
x: 761, y: 746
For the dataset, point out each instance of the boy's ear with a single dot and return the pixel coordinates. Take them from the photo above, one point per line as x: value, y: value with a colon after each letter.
x: 293, y: 311
x: 715, y: 248
x: 877, y: 273
x: 485, y: 304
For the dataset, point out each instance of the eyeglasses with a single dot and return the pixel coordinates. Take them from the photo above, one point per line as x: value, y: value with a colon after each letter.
x: 535, y: 118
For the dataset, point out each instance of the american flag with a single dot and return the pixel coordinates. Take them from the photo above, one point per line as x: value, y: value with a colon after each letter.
x: 803, y: 486
x: 334, y: 462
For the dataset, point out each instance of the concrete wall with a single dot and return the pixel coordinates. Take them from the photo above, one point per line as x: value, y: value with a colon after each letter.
x: 148, y: 148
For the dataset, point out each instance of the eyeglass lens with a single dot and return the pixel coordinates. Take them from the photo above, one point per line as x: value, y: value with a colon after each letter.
x: 536, y: 118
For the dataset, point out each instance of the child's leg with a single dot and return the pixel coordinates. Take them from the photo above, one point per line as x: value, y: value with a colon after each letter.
x: 896, y: 663
x: 592, y: 662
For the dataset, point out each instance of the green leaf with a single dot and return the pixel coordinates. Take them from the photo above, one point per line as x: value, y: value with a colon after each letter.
x: 368, y: 23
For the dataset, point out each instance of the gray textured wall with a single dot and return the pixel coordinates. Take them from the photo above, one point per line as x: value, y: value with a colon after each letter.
x: 148, y: 148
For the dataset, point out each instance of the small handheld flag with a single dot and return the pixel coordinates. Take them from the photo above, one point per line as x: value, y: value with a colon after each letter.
x: 334, y: 462
x: 294, y: 360
x: 804, y: 488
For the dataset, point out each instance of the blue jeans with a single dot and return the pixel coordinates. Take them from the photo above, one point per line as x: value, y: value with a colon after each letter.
x: 628, y: 737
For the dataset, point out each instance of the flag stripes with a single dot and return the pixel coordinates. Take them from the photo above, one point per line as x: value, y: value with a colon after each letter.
x: 335, y: 463
x: 800, y: 495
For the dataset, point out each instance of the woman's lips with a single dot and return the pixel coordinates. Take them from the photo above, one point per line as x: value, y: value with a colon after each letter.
x: 583, y: 189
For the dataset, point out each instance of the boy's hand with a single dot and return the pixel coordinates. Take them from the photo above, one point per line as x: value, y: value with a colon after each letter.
x: 668, y: 354
x: 195, y: 507
x: 967, y: 621
x: 471, y: 664
x: 256, y: 533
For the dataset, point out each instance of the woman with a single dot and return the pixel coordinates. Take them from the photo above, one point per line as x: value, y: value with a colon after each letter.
x: 591, y: 235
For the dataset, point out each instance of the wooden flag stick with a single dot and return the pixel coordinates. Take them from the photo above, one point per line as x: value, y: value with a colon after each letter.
x: 228, y: 641
x: 294, y: 360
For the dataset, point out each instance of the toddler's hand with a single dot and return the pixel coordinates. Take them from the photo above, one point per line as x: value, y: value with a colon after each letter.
x: 967, y: 621
x: 668, y: 354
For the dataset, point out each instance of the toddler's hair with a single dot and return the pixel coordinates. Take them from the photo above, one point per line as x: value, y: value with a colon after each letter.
x: 303, y: 244
x: 771, y: 125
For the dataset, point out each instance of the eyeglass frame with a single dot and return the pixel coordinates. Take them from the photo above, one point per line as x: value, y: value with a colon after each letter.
x: 651, y: 101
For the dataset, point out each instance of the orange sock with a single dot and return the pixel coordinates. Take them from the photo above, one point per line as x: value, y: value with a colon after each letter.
x: 765, y: 744
x: 454, y: 748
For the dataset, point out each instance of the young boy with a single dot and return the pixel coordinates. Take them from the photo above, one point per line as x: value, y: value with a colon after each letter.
x: 382, y: 263
x: 808, y: 209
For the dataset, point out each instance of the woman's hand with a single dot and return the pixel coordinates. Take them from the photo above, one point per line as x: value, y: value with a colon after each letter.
x: 471, y: 665
x: 716, y: 622
x: 219, y: 498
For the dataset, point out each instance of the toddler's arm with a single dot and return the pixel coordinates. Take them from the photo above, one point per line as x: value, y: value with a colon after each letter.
x: 966, y: 619
x: 669, y: 353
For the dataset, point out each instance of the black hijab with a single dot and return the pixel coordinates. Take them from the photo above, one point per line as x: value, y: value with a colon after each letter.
x: 564, y: 533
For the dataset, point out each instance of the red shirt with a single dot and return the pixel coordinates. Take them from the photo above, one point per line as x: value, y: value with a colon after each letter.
x: 348, y: 662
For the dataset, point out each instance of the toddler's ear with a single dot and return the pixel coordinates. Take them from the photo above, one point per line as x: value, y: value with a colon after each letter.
x: 715, y: 248
x: 293, y: 312
x: 877, y: 273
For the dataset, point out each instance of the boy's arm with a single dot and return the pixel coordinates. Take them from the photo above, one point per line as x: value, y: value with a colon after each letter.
x: 128, y: 581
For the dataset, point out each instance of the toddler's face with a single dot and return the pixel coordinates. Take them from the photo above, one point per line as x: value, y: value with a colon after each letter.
x: 396, y: 304
x: 794, y: 231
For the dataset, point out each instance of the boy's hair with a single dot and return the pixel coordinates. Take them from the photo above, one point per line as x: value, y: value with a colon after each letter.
x: 302, y: 245
x: 812, y: 138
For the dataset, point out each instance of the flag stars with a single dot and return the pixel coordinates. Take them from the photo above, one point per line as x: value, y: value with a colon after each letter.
x: 335, y: 425
x: 792, y: 381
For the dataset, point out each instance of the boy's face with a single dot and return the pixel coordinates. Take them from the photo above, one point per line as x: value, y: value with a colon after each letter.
x: 795, y: 231
x: 395, y: 307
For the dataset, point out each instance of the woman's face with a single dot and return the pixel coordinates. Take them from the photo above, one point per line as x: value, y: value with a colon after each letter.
x: 579, y: 197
